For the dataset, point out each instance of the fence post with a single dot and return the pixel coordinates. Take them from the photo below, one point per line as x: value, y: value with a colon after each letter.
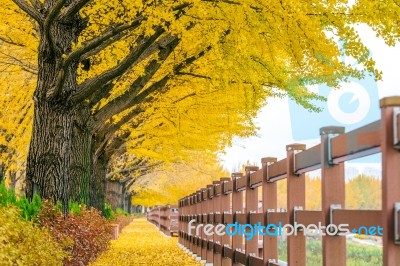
x: 237, y: 208
x: 390, y: 178
x: 333, y: 193
x: 251, y: 207
x: 199, y: 217
x: 217, y: 189
x: 225, y: 207
x: 296, y: 244
x: 209, y: 212
x: 269, y: 201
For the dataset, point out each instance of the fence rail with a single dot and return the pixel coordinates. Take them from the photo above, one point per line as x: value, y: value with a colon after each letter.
x: 165, y: 218
x: 235, y: 199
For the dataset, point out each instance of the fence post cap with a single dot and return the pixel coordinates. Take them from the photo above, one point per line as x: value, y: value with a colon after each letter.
x: 269, y: 160
x: 331, y: 130
x: 389, y: 101
x: 236, y: 175
x: 295, y: 147
x: 250, y: 168
x: 224, y: 179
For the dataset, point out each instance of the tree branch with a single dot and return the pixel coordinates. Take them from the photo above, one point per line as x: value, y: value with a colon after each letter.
x: 88, y: 87
x: 104, y: 40
x: 32, y: 12
x: 147, y: 167
x: 54, y: 11
x: 73, y: 8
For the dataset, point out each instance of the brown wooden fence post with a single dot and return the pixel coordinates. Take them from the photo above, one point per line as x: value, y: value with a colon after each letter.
x: 199, y: 216
x: 390, y: 179
x: 204, y: 211
x: 269, y: 201
x: 237, y: 208
x: 226, y: 189
x: 296, y: 244
x: 209, y: 216
x: 333, y: 193
x: 217, y: 188
x: 251, y: 207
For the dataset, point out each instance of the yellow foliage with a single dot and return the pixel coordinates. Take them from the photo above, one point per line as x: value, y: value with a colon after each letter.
x: 170, y: 182
x: 23, y: 243
x: 142, y: 244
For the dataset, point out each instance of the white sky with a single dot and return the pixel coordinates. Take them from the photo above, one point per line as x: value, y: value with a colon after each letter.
x: 274, y: 119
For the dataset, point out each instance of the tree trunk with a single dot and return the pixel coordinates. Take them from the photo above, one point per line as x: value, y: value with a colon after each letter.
x: 81, y: 159
x: 13, y: 180
x: 49, y: 158
x: 97, y: 187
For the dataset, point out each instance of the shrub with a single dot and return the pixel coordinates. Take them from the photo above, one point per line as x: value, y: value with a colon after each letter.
x: 120, y: 211
x: 108, y: 212
x: 24, y: 243
x: 29, y: 209
x: 85, y: 234
x: 7, y: 196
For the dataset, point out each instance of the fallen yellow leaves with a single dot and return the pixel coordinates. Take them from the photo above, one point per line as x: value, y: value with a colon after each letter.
x: 142, y: 244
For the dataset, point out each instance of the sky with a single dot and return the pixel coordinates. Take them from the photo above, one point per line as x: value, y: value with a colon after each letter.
x: 281, y: 122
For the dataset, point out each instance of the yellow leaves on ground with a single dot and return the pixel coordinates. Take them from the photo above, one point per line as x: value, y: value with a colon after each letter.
x: 142, y: 244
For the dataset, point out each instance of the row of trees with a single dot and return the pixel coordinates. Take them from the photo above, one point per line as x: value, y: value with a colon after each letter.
x: 115, y: 85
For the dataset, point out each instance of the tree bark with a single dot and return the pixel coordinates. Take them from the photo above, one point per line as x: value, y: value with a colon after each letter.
x: 97, y: 182
x: 49, y: 160
x: 81, y: 158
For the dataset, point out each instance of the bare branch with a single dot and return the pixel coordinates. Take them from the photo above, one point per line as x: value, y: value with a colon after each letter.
x: 32, y: 12
x: 10, y: 41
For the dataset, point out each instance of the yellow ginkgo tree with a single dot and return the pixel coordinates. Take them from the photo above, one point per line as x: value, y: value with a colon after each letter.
x: 104, y: 66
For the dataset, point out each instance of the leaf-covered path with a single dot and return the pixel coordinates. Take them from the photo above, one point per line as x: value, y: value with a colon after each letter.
x: 142, y: 244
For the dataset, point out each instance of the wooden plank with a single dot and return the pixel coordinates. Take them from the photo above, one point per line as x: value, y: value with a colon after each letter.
x: 308, y: 160
x: 308, y: 217
x: 277, y: 171
x: 240, y: 218
x: 241, y: 184
x: 255, y: 261
x: 227, y: 218
x: 358, y: 143
x: 277, y: 217
x: 240, y: 257
x: 227, y: 187
x: 256, y: 178
x: 256, y: 218
x: 357, y: 218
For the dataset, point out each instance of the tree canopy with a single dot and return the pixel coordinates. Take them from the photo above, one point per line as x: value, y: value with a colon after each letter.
x: 161, y: 78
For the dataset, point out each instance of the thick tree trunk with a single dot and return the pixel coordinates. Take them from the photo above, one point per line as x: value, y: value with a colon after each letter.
x: 48, y: 166
x: 97, y: 187
x: 81, y: 159
x: 49, y: 159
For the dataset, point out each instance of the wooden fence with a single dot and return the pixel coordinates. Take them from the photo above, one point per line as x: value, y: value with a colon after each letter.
x: 235, y: 199
x: 165, y: 218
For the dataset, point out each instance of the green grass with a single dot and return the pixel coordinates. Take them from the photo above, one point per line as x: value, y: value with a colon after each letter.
x: 357, y: 254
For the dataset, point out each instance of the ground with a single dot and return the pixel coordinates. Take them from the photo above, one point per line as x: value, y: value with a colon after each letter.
x: 140, y: 243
